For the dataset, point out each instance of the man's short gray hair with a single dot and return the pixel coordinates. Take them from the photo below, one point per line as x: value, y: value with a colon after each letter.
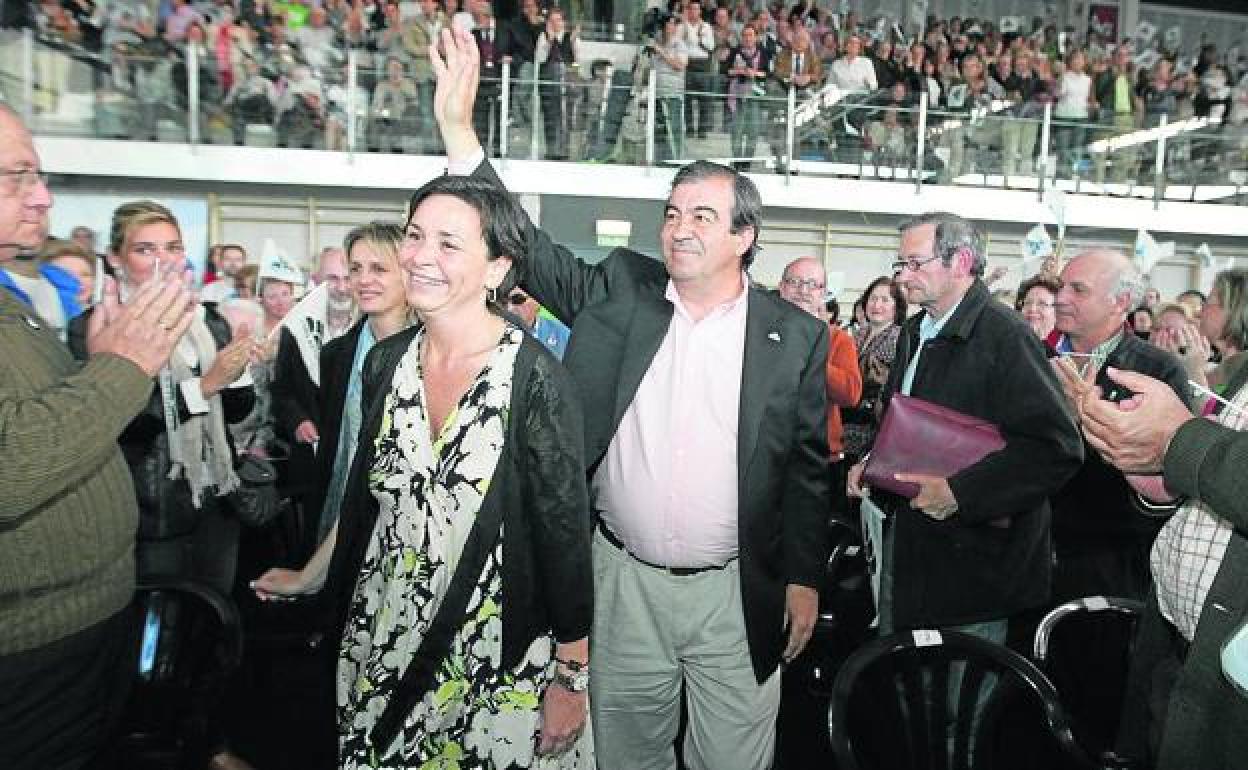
x: 953, y: 234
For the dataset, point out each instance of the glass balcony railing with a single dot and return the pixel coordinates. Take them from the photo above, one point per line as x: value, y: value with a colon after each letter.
x: 370, y: 102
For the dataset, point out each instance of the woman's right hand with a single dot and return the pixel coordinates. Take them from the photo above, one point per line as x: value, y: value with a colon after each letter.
x: 280, y: 584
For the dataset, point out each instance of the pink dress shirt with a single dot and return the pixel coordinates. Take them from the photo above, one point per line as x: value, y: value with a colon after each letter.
x: 668, y: 484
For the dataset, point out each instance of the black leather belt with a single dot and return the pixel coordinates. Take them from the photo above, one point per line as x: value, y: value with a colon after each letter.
x: 611, y: 538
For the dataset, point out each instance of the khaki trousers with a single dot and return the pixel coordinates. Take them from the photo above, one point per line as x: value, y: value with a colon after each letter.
x: 653, y: 632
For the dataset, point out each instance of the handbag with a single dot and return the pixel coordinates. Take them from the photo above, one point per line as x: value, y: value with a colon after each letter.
x: 255, y: 501
x: 917, y: 436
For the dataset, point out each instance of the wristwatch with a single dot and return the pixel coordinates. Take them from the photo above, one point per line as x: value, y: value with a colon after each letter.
x: 572, y: 675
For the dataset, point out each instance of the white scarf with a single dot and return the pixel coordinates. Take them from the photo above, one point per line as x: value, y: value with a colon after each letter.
x: 198, y: 448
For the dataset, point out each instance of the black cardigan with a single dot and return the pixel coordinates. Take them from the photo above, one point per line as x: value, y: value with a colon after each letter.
x: 539, y: 483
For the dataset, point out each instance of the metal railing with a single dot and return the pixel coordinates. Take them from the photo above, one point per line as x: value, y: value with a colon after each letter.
x: 599, y: 114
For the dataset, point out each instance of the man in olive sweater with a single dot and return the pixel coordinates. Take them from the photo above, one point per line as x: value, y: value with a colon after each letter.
x: 67, y: 507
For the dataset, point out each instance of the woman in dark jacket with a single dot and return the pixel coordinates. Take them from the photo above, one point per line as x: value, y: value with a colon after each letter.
x: 180, y: 471
x: 461, y: 579
x: 178, y: 448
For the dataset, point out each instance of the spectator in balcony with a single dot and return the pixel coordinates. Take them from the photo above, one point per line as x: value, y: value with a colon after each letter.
x: 556, y: 56
x: 1075, y: 99
x: 130, y: 23
x: 1018, y: 136
x: 886, y: 70
x: 301, y: 111
x: 253, y: 99
x: 670, y: 57
x: 317, y: 42
x: 387, y: 36
x: 912, y: 69
x: 963, y: 96
x: 396, y: 104
x: 280, y: 58
x: 180, y: 18
x: 1120, y: 110
x: 698, y: 37
x: 853, y: 72
x: 520, y: 45
x: 799, y: 66
x: 829, y: 49
x: 727, y: 37
x: 748, y: 69
x: 418, y: 34
x: 340, y: 112
x: 485, y: 112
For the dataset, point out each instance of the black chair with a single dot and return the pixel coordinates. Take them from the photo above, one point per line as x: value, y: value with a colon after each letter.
x: 846, y: 607
x: 191, y: 645
x: 1084, y: 646
x: 944, y: 700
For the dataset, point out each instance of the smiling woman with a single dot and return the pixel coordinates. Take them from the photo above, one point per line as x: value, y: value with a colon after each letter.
x: 468, y: 502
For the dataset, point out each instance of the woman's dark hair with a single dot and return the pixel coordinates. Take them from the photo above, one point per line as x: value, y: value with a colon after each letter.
x: 503, y: 221
x: 1043, y: 281
x: 900, y: 308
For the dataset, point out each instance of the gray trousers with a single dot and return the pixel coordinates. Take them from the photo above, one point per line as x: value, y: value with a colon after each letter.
x: 653, y: 632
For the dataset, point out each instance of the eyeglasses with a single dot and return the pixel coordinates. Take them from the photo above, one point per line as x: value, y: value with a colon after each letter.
x: 808, y: 284
x: 1037, y: 304
x: 912, y: 264
x: 27, y: 178
x: 517, y: 298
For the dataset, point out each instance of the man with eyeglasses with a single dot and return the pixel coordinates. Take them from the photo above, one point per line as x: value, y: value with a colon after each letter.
x: 67, y: 508
x: 541, y: 324
x: 804, y: 283
x: 1101, y: 532
x: 972, y: 550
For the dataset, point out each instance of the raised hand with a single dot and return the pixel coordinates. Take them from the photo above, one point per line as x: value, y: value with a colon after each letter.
x: 456, y: 69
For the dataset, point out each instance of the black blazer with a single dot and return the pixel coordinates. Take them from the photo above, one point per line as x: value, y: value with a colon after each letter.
x: 336, y: 359
x: 619, y: 317
x: 992, y: 558
x: 1096, y: 509
x: 295, y: 398
x: 538, y: 485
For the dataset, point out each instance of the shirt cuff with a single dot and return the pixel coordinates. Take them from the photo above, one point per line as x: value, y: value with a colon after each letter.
x: 193, y: 396
x: 465, y: 166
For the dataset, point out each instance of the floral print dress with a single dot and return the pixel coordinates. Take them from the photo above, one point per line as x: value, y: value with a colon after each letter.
x: 477, y: 714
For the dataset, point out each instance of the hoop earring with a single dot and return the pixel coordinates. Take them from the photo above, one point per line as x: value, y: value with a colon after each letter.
x: 491, y: 295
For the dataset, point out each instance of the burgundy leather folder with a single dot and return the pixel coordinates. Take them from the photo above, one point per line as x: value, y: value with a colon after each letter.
x: 918, y: 436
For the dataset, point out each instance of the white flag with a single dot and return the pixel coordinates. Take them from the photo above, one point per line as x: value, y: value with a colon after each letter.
x: 1036, y: 245
x: 1148, y: 252
x: 1204, y: 255
x: 275, y: 265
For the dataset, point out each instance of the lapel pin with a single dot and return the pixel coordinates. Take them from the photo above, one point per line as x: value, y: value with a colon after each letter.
x: 773, y: 336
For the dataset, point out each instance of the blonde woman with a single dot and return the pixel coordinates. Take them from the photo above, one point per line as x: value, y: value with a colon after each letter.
x: 179, y: 448
x: 377, y: 286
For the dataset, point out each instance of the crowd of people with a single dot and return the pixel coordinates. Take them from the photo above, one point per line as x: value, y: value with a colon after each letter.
x: 534, y: 549
x: 277, y: 73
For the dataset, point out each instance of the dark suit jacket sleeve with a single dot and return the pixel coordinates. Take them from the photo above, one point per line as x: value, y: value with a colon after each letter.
x: 807, y: 485
x: 552, y: 273
x: 291, y: 404
x: 557, y: 500
x: 1043, y: 447
x: 1206, y: 461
